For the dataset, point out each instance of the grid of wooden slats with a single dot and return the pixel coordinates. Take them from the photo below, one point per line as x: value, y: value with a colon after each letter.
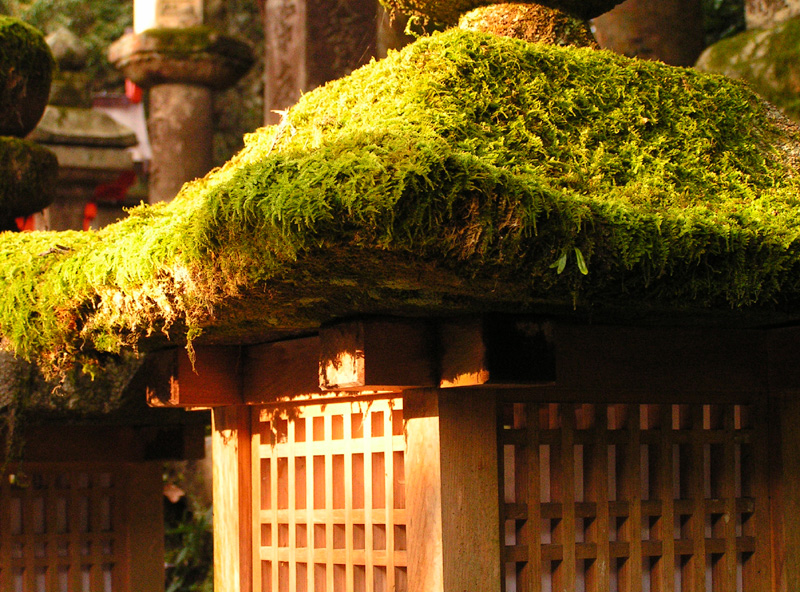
x: 657, y: 498
x: 59, y: 530
x: 329, y: 498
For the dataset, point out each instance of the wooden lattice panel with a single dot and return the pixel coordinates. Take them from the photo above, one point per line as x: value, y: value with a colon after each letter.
x: 59, y: 530
x: 661, y: 498
x: 329, y: 498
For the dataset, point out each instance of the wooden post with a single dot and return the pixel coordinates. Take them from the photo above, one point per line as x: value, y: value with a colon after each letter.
x: 145, y: 523
x: 452, y: 491
x: 785, y: 496
x: 232, y: 509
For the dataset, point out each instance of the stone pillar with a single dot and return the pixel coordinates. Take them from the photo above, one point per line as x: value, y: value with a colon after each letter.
x: 666, y: 30
x: 181, y: 62
x: 181, y: 129
x: 310, y: 42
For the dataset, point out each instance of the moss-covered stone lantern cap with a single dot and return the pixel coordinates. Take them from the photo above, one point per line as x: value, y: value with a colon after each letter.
x: 193, y: 55
x: 27, y: 178
x: 467, y: 173
x: 82, y: 127
x: 448, y: 12
x: 530, y: 22
x: 26, y: 69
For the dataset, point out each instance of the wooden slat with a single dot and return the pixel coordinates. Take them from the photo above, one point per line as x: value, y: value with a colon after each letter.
x: 562, y: 479
x: 629, y: 486
x: 760, y: 574
x: 723, y: 472
x: 530, y: 576
x: 692, y: 465
x: 596, y: 487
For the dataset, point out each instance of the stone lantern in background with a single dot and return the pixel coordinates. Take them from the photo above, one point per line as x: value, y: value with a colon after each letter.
x: 766, y: 55
x: 181, y: 62
x: 91, y: 147
x: 27, y: 170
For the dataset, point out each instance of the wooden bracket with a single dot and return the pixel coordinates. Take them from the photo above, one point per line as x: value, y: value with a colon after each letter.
x: 381, y: 354
x: 212, y: 380
x: 280, y: 370
x: 497, y: 350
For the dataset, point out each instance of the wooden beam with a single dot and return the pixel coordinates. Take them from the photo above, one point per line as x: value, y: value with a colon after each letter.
x: 212, y: 379
x: 664, y: 362
x: 381, y: 354
x: 91, y: 443
x: 233, y: 569
x: 496, y: 349
x: 784, y: 359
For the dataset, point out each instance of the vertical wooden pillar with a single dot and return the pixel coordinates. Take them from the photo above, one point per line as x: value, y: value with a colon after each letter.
x: 145, y: 523
x: 233, y: 570
x: 452, y: 491
x: 785, y: 494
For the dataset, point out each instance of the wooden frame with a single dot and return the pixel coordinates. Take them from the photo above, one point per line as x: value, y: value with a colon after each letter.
x: 94, y: 527
x: 714, y: 492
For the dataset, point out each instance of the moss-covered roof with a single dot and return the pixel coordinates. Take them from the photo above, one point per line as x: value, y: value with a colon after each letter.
x: 467, y: 172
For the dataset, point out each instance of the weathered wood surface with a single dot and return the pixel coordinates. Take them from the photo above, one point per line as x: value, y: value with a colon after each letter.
x: 455, y: 494
x: 233, y: 562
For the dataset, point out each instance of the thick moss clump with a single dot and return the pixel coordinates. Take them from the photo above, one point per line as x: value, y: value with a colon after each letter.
x: 767, y: 59
x: 468, y: 172
x: 448, y: 12
x: 26, y: 67
x: 530, y: 22
x: 27, y: 178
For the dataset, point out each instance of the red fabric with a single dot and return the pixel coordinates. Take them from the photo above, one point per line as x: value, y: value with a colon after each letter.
x: 89, y: 214
x: 25, y: 224
x: 133, y: 92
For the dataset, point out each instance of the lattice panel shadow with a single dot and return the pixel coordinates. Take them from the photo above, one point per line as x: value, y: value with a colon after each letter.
x: 60, y: 532
x: 657, y: 498
x: 329, y: 498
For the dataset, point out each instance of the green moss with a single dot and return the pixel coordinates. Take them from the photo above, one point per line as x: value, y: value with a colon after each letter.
x: 765, y: 59
x: 27, y: 178
x: 448, y: 12
x: 26, y: 66
x: 452, y: 176
x: 531, y: 22
x: 188, y: 41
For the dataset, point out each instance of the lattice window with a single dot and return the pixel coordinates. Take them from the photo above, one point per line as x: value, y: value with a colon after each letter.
x: 329, y: 498
x: 59, y: 531
x: 634, y: 497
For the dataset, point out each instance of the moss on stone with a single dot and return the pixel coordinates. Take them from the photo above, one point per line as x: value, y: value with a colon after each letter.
x: 530, y: 22
x: 26, y: 67
x: 468, y: 172
x: 767, y: 59
x: 27, y: 178
x: 187, y: 41
x: 448, y: 12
